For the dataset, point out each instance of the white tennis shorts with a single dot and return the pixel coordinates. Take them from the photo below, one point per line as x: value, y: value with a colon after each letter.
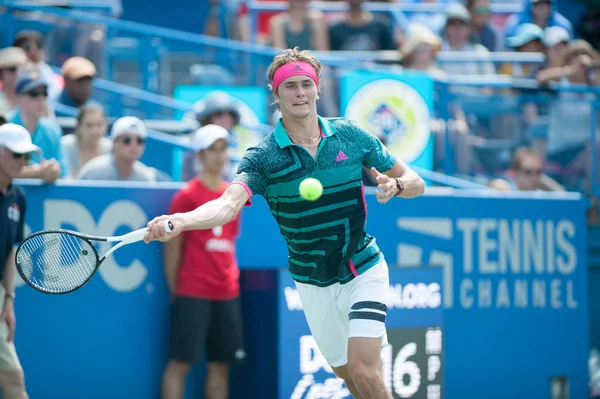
x: 341, y: 311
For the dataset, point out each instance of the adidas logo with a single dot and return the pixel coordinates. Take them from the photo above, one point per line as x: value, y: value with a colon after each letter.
x: 341, y: 157
x: 297, y: 68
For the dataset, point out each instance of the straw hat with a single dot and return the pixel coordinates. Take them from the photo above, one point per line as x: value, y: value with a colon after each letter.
x: 11, y: 57
x: 420, y: 35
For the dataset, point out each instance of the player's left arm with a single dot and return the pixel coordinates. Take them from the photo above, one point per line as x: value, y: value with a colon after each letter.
x: 394, y: 177
x: 399, y: 181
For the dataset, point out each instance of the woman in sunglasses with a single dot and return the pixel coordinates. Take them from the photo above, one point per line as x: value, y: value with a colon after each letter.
x: 89, y: 140
x: 128, y: 136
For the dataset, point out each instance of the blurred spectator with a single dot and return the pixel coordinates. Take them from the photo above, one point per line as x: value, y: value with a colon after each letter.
x: 457, y: 33
x: 419, y: 50
x: 203, y: 279
x: 434, y: 21
x: 10, y: 59
x: 32, y: 111
x: 538, y: 12
x: 527, y: 39
x: 527, y: 172
x: 359, y: 31
x: 89, y: 140
x: 217, y: 108
x: 555, y: 40
x: 483, y: 31
x: 128, y: 135
x: 568, y: 144
x: 589, y: 26
x: 299, y: 27
x: 32, y: 43
x: 78, y: 73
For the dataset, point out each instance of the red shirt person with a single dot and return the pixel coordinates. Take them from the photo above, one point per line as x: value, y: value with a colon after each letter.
x: 203, y: 278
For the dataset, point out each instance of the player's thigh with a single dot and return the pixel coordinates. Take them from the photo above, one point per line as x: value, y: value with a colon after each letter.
x: 226, y: 333
x: 366, y: 298
x: 190, y: 318
x: 327, y: 322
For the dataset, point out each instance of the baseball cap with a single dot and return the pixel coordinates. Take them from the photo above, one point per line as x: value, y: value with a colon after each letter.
x: 457, y: 11
x: 525, y: 33
x: 17, y: 139
x: 554, y: 35
x: 207, y: 135
x: 78, y: 67
x: 128, y: 124
x: 29, y: 81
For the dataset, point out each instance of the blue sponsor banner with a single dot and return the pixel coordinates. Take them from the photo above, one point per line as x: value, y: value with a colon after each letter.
x: 515, y: 292
x: 398, y: 108
x: 412, y: 360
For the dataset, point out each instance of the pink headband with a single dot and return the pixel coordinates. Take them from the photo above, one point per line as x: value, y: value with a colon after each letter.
x: 293, y: 69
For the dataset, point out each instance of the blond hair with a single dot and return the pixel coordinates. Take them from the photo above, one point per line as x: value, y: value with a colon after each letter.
x: 293, y: 55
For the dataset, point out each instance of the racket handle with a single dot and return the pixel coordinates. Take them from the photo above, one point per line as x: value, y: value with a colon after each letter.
x: 168, y: 226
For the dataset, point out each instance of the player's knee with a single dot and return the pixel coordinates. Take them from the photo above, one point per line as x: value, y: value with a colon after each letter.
x: 363, y: 374
x: 342, y: 372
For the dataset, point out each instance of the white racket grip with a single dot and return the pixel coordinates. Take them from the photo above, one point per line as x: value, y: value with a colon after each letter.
x: 168, y: 226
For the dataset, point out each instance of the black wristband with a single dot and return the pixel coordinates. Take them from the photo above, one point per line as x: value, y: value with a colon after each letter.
x: 399, y: 186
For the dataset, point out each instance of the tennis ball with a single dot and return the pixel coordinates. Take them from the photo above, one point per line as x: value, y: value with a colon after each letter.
x: 311, y: 189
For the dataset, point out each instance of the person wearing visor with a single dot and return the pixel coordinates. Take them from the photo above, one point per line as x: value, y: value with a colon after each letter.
x: 217, y: 108
x: 32, y: 98
x: 15, y: 150
x: 128, y: 135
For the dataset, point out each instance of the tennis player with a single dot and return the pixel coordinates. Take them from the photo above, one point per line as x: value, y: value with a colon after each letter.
x: 340, y: 273
x: 15, y: 147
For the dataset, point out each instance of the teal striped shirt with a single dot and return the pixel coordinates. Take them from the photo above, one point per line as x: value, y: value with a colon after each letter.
x: 327, y: 241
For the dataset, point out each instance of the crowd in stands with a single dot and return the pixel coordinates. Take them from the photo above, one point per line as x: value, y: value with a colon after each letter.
x: 32, y: 93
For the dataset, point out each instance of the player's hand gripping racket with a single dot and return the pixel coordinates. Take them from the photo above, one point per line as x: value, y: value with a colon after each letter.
x: 61, y: 261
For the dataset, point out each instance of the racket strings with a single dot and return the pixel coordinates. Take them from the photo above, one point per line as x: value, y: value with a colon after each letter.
x: 56, y: 262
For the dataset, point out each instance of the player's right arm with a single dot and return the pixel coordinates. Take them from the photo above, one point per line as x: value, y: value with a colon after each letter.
x: 251, y: 179
x: 211, y: 214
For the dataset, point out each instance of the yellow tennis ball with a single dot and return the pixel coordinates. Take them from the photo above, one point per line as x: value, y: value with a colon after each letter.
x: 311, y: 189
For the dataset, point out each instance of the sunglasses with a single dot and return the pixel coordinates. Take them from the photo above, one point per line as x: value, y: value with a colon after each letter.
x: 20, y: 156
x: 128, y: 140
x: 36, y: 94
x: 9, y: 69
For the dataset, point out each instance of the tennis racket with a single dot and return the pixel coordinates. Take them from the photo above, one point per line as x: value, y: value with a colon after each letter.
x: 60, y: 261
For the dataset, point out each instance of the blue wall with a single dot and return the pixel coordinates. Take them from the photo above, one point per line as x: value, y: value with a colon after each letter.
x: 515, y: 292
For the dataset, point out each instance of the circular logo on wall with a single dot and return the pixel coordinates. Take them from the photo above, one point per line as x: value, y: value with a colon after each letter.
x: 394, y: 112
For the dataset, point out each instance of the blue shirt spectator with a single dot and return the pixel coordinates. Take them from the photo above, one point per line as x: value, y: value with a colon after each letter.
x: 537, y: 12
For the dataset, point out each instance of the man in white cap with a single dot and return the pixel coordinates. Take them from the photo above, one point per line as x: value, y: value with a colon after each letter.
x: 202, y: 276
x: 15, y: 148
x: 129, y: 138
